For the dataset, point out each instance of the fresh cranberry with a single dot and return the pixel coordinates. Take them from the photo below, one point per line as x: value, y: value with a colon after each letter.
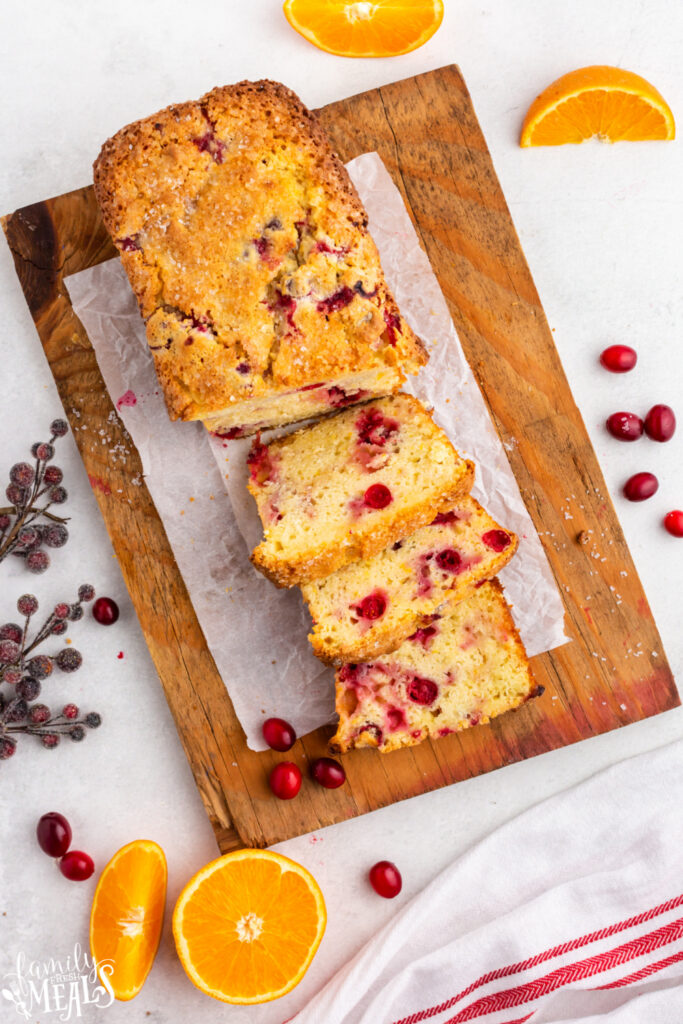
x: 422, y: 691
x: 105, y: 611
x: 385, y: 879
x: 53, y: 832
x: 377, y: 496
x: 449, y: 560
x: 76, y: 866
x: 328, y: 772
x: 278, y: 734
x: 619, y: 358
x: 372, y: 607
x: 660, y: 423
x: 497, y: 540
x: 625, y: 426
x: 641, y: 486
x: 673, y: 522
x: 285, y: 780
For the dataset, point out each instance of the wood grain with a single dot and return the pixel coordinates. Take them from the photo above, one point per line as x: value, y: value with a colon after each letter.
x: 614, y: 671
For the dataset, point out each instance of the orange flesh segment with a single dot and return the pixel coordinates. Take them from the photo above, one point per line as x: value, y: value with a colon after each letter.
x: 247, y: 926
x: 601, y: 101
x: 128, y: 913
x: 382, y: 28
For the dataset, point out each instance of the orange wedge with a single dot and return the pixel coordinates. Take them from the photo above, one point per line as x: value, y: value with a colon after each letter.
x: 599, y: 101
x: 247, y: 926
x: 383, y: 28
x: 127, y: 916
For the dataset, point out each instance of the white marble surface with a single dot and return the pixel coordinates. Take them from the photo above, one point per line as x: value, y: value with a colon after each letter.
x: 601, y: 229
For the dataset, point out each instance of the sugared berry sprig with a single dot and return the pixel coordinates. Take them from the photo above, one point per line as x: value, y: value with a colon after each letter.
x: 21, y: 668
x: 31, y: 492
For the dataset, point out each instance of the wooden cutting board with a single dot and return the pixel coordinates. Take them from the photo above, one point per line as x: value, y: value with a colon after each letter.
x: 613, y: 672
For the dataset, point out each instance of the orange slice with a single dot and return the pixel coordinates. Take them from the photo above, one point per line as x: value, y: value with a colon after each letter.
x: 247, y: 926
x: 127, y: 916
x: 599, y: 101
x: 383, y: 28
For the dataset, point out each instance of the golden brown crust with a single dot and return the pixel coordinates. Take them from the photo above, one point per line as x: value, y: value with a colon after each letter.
x: 247, y: 247
x: 359, y: 546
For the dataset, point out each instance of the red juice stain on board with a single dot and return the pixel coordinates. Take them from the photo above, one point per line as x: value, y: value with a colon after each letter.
x: 98, y: 484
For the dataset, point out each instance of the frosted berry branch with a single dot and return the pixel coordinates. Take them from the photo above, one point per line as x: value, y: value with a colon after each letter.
x: 31, y: 492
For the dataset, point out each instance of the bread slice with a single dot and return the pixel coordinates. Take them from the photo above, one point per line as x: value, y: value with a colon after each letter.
x: 465, y: 669
x: 248, y: 250
x: 368, y: 608
x: 350, y: 485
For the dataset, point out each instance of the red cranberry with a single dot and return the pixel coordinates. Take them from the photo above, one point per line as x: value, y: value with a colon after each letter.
x: 673, y: 522
x: 53, y: 832
x: 625, y: 426
x: 338, y: 300
x: 449, y: 560
x: 444, y: 518
x: 105, y: 611
x: 372, y: 607
x: 396, y: 719
x: 377, y: 496
x: 374, y: 428
x: 641, y: 486
x: 422, y: 691
x: 327, y: 772
x: 385, y: 879
x: 497, y: 540
x: 278, y: 734
x: 393, y: 324
x: 619, y: 358
x: 76, y: 866
x: 261, y: 466
x: 660, y: 423
x: 285, y: 780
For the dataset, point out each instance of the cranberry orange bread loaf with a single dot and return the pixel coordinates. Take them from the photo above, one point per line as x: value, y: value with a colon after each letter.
x: 248, y: 250
x: 465, y: 669
x: 368, y: 608
x: 350, y: 485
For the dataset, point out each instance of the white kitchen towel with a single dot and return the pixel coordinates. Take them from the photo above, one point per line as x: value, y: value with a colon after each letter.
x: 572, y: 911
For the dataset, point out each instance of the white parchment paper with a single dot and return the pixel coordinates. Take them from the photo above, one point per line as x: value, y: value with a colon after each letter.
x: 257, y: 633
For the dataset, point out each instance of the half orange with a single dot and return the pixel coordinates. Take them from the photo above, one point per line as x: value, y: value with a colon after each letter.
x: 598, y: 101
x: 248, y: 925
x: 381, y: 28
x: 127, y: 916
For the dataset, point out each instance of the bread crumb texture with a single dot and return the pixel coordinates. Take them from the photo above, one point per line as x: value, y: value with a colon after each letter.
x: 350, y: 485
x: 469, y: 667
x: 412, y: 581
